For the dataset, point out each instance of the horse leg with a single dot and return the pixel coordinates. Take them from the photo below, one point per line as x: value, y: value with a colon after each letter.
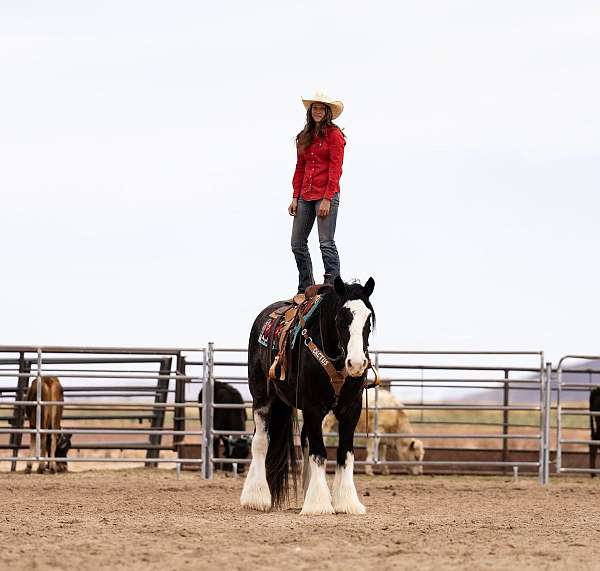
x: 256, y: 494
x: 369, y: 459
x: 55, y: 424
x: 52, y: 463
x: 216, y: 443
x: 43, y: 450
x: 594, y: 449
x: 317, y: 498
x: 345, y: 498
x: 385, y: 469
x: 305, y: 460
x: 31, y: 450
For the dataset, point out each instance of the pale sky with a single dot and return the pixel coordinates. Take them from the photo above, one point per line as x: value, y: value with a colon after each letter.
x: 146, y: 157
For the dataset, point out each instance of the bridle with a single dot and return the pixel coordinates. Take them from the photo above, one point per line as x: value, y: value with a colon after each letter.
x: 337, y: 378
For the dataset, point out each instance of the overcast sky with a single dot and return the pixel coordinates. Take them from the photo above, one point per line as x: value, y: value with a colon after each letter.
x: 146, y: 157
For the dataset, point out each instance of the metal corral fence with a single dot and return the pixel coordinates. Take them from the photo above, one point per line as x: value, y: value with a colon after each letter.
x: 573, y: 416
x: 476, y: 412
x: 485, y: 416
x: 129, y: 400
x: 489, y: 416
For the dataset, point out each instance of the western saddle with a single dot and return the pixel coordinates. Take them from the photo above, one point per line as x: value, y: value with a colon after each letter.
x: 293, y: 313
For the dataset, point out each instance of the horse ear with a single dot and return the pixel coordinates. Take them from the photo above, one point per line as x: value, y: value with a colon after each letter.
x: 369, y: 287
x: 340, y: 286
x: 412, y: 445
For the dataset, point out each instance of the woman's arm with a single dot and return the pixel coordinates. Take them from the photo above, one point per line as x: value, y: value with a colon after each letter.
x: 298, y: 174
x: 336, y: 159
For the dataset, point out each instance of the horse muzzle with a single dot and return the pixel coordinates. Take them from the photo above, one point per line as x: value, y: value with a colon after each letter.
x: 356, y: 368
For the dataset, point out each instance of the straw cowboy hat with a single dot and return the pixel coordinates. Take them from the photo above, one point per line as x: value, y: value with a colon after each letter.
x: 336, y: 106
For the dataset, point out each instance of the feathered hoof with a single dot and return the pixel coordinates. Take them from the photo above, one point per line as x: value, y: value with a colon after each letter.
x: 256, y: 498
x: 322, y: 507
x: 350, y: 508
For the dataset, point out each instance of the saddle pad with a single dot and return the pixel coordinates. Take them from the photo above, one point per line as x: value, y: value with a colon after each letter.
x: 265, y: 332
x: 306, y: 318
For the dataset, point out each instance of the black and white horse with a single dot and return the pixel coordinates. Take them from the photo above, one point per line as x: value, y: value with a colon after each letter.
x: 340, y: 327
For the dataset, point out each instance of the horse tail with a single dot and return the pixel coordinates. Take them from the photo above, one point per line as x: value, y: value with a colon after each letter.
x: 281, y: 453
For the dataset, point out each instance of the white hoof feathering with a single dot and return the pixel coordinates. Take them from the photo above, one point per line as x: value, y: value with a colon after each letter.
x: 345, y: 498
x: 256, y: 494
x: 317, y: 499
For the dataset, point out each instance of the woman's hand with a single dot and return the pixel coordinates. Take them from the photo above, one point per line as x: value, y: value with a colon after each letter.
x: 293, y: 207
x: 324, y: 208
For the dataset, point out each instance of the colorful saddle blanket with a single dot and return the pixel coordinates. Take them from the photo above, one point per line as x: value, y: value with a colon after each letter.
x: 279, y: 323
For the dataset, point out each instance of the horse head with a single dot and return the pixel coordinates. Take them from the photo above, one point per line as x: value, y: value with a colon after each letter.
x: 354, y: 318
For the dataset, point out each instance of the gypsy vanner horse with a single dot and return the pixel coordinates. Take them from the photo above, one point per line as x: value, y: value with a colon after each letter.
x: 340, y: 327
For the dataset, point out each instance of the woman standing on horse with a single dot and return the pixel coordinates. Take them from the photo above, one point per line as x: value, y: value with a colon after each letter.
x: 316, y: 182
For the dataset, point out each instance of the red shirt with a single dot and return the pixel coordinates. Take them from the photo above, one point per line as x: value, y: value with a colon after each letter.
x: 319, y: 167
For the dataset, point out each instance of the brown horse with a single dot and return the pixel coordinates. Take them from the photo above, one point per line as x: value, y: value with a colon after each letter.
x: 51, y: 417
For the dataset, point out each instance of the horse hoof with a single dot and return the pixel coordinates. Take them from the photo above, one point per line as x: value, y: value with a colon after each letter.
x: 317, y: 510
x: 352, y: 509
x: 256, y: 497
x: 256, y: 505
x: 27, y: 470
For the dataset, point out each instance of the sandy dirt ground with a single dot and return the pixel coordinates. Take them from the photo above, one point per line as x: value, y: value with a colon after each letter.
x: 147, y: 519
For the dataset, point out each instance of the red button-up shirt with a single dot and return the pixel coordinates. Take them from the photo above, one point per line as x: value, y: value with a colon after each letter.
x: 319, y: 167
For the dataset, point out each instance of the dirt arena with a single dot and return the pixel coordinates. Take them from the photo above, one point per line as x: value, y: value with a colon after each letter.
x: 147, y: 519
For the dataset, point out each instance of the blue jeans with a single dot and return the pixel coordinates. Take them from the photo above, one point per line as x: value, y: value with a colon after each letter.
x: 303, y: 224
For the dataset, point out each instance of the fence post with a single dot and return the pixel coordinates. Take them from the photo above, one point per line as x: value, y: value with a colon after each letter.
x: 375, y: 430
x: 547, y: 411
x: 158, y: 413
x: 180, y: 411
x: 38, y: 408
x: 207, y: 416
x: 20, y: 412
x: 559, y: 421
x: 505, y: 423
x: 542, y: 422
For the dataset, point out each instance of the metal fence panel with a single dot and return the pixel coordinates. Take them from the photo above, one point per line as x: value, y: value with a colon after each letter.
x: 570, y: 411
x: 110, y: 385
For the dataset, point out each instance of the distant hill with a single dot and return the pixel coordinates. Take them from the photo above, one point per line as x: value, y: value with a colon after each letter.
x: 584, y: 374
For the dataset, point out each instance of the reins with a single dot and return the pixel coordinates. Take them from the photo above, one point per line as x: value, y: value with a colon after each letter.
x: 336, y: 378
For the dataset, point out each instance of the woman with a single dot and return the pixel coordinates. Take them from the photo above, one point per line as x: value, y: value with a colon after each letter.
x: 316, y: 182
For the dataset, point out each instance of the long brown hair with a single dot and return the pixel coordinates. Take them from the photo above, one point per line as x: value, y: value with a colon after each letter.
x: 313, y: 129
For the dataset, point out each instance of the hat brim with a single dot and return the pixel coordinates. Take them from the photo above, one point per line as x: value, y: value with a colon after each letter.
x: 336, y: 106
